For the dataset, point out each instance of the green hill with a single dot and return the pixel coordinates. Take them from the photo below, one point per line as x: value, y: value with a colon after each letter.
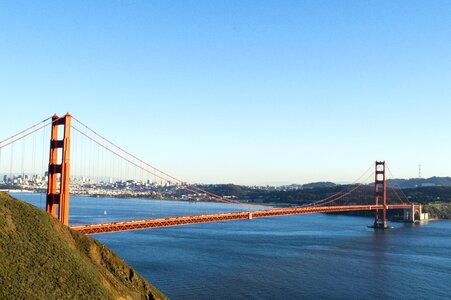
x: 42, y: 259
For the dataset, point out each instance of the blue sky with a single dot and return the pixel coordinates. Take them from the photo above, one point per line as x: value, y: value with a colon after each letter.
x: 248, y: 92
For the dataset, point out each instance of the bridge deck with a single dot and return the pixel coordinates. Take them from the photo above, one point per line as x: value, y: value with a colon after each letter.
x: 179, y: 221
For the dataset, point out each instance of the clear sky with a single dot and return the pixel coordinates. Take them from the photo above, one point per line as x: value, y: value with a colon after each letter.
x: 249, y: 92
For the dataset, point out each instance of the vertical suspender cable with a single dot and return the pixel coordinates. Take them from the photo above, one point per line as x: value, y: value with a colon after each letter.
x: 1, y: 165
x: 11, y: 168
x: 43, y: 168
x: 22, y: 167
x: 33, y: 162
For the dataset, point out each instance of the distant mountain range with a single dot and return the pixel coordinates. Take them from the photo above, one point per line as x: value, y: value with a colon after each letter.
x: 401, y: 183
x: 419, y: 182
x: 417, y: 190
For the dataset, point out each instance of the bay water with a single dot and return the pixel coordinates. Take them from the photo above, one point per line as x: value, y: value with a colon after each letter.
x: 316, y: 256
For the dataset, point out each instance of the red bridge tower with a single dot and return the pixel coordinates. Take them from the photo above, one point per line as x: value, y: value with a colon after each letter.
x: 380, y: 190
x: 59, y: 168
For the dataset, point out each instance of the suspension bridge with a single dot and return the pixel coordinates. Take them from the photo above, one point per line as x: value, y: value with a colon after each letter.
x: 101, y: 168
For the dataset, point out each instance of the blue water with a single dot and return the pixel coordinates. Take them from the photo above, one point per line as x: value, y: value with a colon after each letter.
x: 293, y: 257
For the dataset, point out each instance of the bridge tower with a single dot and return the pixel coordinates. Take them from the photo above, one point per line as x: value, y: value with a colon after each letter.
x: 59, y: 170
x: 380, y: 191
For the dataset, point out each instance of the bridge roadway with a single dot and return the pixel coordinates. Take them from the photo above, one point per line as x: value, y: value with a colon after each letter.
x: 246, y: 215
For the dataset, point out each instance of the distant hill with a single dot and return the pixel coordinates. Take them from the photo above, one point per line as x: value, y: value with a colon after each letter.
x: 402, y: 183
x: 420, y: 182
x: 315, y: 185
x: 42, y: 259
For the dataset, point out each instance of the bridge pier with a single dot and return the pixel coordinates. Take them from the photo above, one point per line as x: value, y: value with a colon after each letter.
x: 414, y: 214
x: 380, y: 223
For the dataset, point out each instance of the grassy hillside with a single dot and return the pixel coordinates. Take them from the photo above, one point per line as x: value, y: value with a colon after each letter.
x: 42, y: 259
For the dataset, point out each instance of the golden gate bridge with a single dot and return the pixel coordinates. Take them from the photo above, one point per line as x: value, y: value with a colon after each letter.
x: 77, y: 148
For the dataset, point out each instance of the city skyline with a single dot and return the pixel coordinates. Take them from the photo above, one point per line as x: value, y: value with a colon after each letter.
x: 228, y: 93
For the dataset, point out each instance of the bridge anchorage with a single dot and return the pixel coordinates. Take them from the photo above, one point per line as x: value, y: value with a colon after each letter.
x: 155, y: 185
